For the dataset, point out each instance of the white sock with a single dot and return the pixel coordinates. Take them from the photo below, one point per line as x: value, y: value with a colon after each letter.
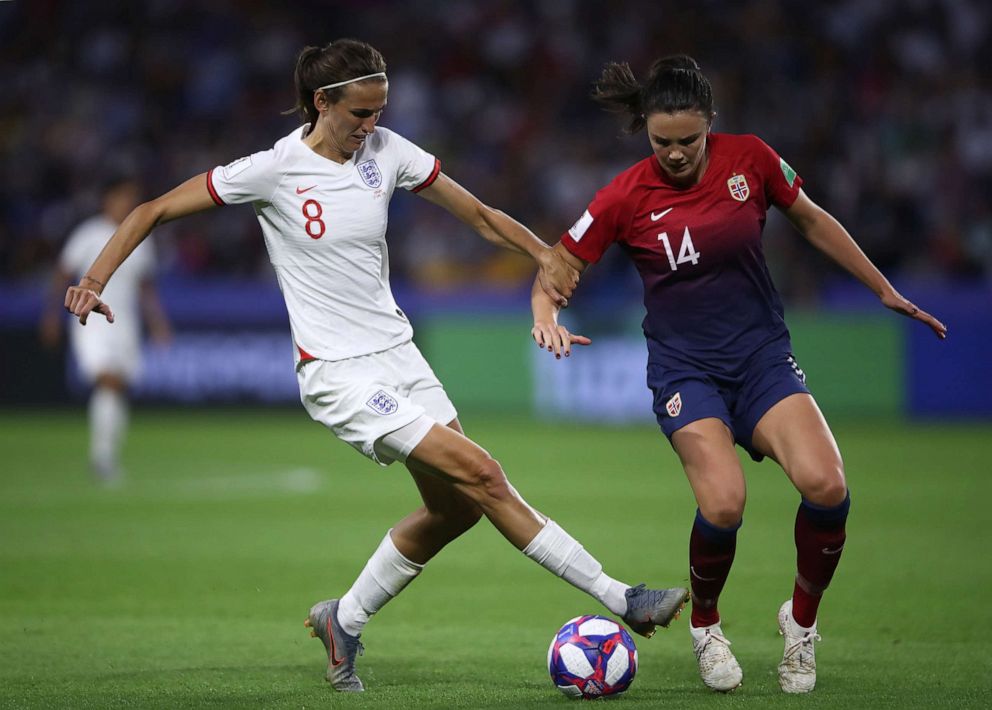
x: 557, y: 551
x: 385, y: 575
x: 108, y: 415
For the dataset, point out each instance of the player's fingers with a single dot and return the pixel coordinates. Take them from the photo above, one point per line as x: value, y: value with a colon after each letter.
x: 538, y: 335
x: 81, y: 302
x: 76, y: 305
x: 556, y: 342
x: 913, y: 311
x: 566, y: 341
x: 581, y: 340
x: 72, y: 299
x: 546, y: 337
x: 939, y: 329
x: 107, y: 313
x: 549, y: 286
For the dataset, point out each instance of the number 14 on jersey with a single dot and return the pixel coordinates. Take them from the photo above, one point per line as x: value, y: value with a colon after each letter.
x: 687, y: 252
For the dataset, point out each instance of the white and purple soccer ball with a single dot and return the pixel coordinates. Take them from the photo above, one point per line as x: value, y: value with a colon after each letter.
x: 592, y: 657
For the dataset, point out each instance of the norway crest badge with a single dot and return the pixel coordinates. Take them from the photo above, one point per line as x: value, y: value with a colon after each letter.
x: 370, y: 173
x: 738, y: 187
x: 674, y: 405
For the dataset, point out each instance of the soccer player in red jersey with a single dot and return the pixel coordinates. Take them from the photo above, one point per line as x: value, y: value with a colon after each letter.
x: 720, y: 361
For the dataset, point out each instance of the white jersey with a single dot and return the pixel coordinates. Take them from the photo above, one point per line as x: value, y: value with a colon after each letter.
x: 325, y: 230
x: 100, y: 346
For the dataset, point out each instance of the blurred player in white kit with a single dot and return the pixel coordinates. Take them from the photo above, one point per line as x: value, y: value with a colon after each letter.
x: 108, y: 356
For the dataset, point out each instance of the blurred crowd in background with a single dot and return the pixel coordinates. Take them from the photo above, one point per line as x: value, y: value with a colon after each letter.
x: 883, y: 106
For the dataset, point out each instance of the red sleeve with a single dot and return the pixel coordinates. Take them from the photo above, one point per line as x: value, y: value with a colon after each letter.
x: 782, y: 184
x: 596, y: 229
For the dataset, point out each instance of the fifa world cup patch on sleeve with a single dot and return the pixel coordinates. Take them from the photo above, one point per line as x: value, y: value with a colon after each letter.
x: 581, y: 225
x: 674, y: 405
x: 237, y: 167
x: 382, y: 403
x: 788, y: 172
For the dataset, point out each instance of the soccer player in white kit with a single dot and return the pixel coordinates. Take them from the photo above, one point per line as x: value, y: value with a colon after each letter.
x: 108, y: 357
x: 321, y: 195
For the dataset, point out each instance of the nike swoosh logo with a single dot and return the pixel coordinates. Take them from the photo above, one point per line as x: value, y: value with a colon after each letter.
x: 655, y: 216
x: 692, y: 570
x: 301, y: 190
x: 828, y: 551
x: 335, y: 661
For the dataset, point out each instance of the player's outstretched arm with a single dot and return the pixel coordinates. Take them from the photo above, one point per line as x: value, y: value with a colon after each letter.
x: 556, y: 276
x: 829, y: 236
x: 547, y: 332
x: 84, y: 298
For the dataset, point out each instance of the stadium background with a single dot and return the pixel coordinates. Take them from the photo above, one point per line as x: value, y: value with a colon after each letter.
x: 186, y: 586
x: 881, y: 106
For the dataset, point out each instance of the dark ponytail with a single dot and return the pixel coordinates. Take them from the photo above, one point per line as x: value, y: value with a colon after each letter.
x: 619, y: 91
x: 340, y: 60
x: 674, y: 84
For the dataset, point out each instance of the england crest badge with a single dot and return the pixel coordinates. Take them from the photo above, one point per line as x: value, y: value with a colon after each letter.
x: 382, y: 403
x: 738, y: 187
x: 674, y: 405
x: 370, y: 173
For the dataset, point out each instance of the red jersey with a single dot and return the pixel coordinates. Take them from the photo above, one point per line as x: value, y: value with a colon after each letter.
x: 709, y: 297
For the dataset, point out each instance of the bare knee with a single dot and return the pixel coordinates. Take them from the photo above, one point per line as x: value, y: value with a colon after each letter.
x: 723, y: 512
x: 823, y: 484
x: 487, y: 483
x: 720, y: 497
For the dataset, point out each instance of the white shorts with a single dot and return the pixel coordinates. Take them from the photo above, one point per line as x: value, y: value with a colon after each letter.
x: 364, y: 399
x: 106, y: 348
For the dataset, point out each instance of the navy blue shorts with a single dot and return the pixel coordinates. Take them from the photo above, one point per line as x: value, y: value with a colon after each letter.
x: 683, y: 395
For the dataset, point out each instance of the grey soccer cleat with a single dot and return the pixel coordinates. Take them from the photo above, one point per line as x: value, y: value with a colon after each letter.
x: 342, y: 648
x: 648, y: 608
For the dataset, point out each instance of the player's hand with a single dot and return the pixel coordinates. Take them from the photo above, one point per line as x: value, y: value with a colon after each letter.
x: 897, y: 303
x: 81, y: 302
x: 556, y: 338
x: 557, y: 277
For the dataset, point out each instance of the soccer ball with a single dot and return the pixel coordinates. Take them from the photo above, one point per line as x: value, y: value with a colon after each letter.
x: 592, y: 657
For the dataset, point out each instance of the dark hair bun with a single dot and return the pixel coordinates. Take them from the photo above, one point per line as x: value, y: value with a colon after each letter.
x: 675, y: 61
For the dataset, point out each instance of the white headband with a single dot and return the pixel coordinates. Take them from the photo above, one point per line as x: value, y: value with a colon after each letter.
x: 351, y: 81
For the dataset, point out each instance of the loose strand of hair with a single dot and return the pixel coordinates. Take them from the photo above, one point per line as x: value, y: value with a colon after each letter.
x: 618, y: 91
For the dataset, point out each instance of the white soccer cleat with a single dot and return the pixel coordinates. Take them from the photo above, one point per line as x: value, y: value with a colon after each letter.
x: 718, y: 668
x: 797, y: 671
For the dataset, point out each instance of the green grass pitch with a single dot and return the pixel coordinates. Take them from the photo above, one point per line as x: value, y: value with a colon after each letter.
x: 188, y: 586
